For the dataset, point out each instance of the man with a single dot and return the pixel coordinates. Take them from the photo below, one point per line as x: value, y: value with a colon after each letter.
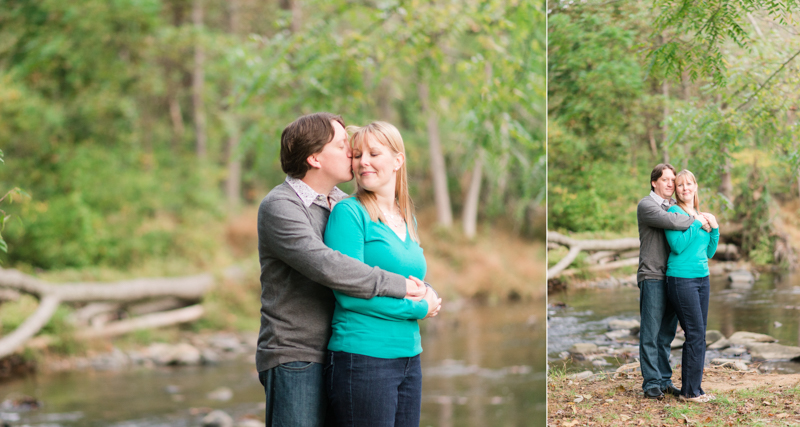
x: 659, y: 321
x: 298, y: 271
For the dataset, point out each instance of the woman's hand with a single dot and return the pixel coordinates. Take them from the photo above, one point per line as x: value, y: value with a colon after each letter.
x: 415, y: 289
x: 712, y: 220
x: 704, y: 221
x: 434, y: 303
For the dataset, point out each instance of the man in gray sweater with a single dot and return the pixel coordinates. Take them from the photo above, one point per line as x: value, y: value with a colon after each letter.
x: 659, y: 321
x: 298, y: 271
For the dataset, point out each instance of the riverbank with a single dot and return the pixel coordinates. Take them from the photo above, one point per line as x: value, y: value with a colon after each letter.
x: 609, y: 399
x: 494, y: 268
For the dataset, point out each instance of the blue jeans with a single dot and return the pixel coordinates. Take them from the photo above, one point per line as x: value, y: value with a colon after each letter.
x: 372, y: 392
x: 295, y: 394
x: 657, y: 330
x: 690, y: 299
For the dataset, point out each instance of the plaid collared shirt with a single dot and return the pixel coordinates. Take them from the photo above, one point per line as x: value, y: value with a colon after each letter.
x: 661, y: 202
x: 308, y: 196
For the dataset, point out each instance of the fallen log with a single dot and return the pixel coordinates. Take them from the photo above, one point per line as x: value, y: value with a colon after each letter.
x: 576, y: 246
x: 191, y: 288
x: 188, y: 287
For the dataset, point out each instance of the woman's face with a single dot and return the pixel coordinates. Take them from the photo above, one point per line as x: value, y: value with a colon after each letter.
x: 375, y: 165
x: 685, y: 189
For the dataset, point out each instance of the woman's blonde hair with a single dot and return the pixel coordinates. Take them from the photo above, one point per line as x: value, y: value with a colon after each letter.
x: 682, y: 176
x: 389, y: 137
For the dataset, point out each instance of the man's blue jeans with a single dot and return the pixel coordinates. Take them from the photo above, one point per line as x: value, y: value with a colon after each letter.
x: 366, y: 391
x: 295, y: 393
x: 690, y: 299
x: 657, y: 330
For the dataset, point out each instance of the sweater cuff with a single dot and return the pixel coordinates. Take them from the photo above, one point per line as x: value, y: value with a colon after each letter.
x: 420, y: 309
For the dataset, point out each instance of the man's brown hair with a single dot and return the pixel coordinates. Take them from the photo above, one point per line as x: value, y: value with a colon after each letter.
x: 303, y: 137
x: 658, y: 171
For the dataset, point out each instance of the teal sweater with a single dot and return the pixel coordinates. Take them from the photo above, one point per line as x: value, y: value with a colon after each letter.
x: 690, y: 250
x: 382, y: 327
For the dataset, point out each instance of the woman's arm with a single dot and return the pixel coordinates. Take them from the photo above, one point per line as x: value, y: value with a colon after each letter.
x: 345, y: 233
x: 714, y: 241
x: 680, y: 240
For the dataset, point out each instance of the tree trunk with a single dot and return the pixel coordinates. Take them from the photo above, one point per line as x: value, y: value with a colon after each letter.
x: 653, y: 147
x: 175, y: 114
x: 444, y: 216
x: 198, y: 78
x: 293, y: 6
x: 726, y: 185
x: 664, y: 127
x: 233, y: 182
x: 470, y: 215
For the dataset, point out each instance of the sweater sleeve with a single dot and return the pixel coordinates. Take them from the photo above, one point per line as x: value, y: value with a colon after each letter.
x: 712, y: 243
x: 345, y: 233
x: 284, y: 226
x: 680, y: 240
x: 652, y: 215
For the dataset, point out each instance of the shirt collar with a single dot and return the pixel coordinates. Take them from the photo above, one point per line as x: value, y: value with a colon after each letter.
x: 308, y: 196
x: 661, y: 200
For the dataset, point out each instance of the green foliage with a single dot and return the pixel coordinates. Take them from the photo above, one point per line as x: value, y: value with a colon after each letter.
x: 692, y: 35
x: 97, y: 109
x: 612, y: 118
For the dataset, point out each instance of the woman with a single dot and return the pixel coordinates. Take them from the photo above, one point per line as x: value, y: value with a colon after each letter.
x: 373, y: 374
x: 688, y: 285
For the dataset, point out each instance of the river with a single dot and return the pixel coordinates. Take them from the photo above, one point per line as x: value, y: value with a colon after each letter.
x: 482, y: 366
x: 771, y: 306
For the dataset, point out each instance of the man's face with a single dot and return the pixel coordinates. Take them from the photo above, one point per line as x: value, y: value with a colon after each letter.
x: 335, y: 157
x: 665, y: 185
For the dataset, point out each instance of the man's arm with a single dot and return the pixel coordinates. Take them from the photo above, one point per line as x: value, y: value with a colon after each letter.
x: 652, y: 215
x: 346, y: 234
x: 285, y: 228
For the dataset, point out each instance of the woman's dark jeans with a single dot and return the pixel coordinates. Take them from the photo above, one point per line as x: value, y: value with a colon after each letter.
x: 373, y: 392
x: 689, y: 298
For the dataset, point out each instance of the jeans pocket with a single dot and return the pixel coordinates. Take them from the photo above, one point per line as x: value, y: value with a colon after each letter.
x: 296, y: 366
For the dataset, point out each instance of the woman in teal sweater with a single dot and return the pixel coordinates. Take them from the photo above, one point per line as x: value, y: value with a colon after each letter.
x: 373, y: 373
x: 688, y: 285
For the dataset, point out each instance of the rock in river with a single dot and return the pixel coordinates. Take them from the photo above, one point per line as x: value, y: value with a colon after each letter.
x: 581, y: 350
x: 618, y: 324
x: 745, y: 338
x: 713, y: 336
x: 217, y: 419
x: 773, y: 352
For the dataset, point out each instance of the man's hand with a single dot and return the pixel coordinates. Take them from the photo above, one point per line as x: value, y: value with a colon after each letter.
x: 703, y: 220
x: 415, y: 289
x: 712, y: 220
x: 434, y: 303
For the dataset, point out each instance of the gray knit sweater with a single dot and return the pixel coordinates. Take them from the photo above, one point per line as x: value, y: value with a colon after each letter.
x: 653, y: 246
x: 297, y: 270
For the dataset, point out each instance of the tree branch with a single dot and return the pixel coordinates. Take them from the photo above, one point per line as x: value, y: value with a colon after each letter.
x: 767, y: 81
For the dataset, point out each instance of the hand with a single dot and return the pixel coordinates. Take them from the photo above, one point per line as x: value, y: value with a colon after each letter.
x: 415, y: 289
x: 704, y: 221
x: 712, y: 220
x: 434, y: 303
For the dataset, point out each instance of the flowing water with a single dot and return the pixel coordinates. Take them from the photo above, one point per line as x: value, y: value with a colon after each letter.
x: 771, y: 306
x: 481, y: 366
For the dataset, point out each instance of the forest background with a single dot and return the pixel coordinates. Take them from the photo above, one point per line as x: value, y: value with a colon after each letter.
x: 145, y: 132
x: 709, y: 87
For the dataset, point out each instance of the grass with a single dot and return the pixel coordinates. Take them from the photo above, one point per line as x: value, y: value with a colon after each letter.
x: 618, y: 401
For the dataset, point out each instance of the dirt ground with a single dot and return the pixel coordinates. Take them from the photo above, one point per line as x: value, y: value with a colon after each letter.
x: 743, y: 399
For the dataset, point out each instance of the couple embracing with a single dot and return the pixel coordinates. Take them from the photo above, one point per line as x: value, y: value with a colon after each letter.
x: 676, y: 242
x: 341, y: 288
